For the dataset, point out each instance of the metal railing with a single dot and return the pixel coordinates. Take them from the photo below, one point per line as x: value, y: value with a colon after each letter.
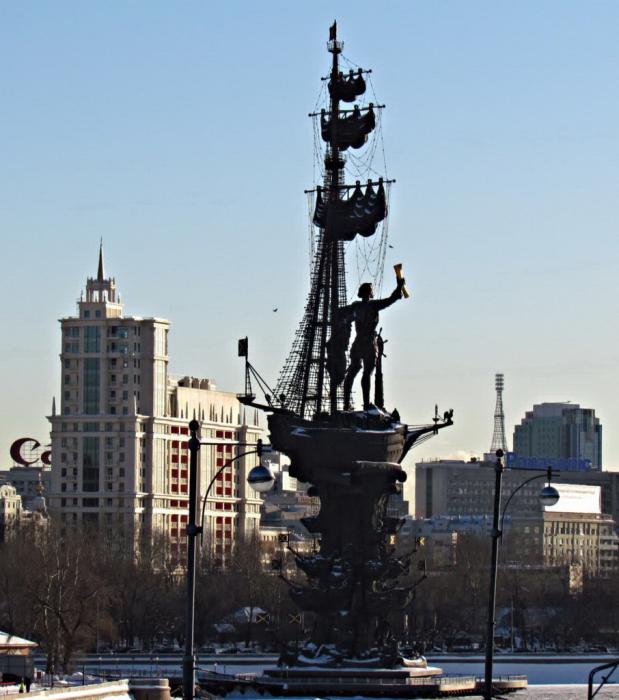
x: 612, y: 666
x: 452, y: 681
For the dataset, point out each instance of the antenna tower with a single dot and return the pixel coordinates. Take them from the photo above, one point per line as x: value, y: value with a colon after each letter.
x: 499, y: 441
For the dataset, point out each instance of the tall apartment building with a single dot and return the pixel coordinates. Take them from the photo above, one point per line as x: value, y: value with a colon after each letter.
x: 119, y: 443
x: 562, y: 431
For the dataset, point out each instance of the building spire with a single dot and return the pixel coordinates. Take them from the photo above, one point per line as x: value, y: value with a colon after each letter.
x: 100, y: 274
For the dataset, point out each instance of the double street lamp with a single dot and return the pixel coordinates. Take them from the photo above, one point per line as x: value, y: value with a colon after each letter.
x: 548, y: 496
x: 261, y: 479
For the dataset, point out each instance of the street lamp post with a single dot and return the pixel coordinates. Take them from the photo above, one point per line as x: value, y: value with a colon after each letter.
x: 261, y: 479
x: 548, y: 496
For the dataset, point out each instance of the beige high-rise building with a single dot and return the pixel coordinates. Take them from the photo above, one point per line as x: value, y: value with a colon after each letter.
x: 119, y: 442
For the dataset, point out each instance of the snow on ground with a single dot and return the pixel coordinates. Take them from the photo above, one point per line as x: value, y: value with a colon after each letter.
x: 534, y: 692
x: 564, y: 692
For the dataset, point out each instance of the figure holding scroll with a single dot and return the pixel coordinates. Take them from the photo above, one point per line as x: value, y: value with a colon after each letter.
x: 364, y: 350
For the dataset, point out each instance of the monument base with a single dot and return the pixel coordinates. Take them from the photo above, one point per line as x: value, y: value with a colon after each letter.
x: 403, y: 682
x: 416, y: 681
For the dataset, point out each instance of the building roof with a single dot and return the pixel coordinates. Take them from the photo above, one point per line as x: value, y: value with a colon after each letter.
x: 11, y: 641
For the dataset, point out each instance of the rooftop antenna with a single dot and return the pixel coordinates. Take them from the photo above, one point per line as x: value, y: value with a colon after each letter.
x: 499, y: 441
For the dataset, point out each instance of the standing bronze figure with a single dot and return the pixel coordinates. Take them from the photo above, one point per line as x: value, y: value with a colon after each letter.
x: 364, y: 350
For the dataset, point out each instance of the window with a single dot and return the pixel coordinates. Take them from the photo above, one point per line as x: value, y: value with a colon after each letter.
x: 91, y: 385
x: 125, y: 379
x: 91, y: 463
x: 87, y: 313
x: 92, y: 337
x: 98, y: 313
x: 67, y: 379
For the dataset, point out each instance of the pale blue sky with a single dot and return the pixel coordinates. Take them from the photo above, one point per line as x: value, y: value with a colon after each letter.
x: 178, y: 132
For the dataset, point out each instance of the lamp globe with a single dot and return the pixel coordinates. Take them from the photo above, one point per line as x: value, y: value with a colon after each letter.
x: 548, y: 496
x: 261, y: 478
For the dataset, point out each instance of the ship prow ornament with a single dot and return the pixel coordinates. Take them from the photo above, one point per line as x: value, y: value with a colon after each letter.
x: 351, y: 458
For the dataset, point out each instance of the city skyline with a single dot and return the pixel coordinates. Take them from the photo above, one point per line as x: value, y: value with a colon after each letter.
x: 190, y: 160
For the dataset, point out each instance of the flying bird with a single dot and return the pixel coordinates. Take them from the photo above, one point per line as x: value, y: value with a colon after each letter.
x: 275, y: 309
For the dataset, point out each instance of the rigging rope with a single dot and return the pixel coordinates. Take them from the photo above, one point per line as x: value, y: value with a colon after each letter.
x: 370, y: 253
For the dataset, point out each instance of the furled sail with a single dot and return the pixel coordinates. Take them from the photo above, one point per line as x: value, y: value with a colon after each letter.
x: 359, y: 214
x: 352, y: 130
x: 347, y: 88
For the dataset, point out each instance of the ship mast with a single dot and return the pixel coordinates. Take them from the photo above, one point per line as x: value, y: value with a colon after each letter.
x: 337, y: 166
x: 331, y: 271
x: 310, y: 384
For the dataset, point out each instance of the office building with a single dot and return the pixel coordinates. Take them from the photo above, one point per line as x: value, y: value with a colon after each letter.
x: 574, y: 531
x: 457, y: 488
x: 29, y: 482
x: 10, y: 510
x: 120, y: 453
x: 560, y: 431
x: 453, y: 495
x: 13, y: 513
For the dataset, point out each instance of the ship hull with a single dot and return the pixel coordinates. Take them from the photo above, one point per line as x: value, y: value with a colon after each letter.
x: 335, y: 445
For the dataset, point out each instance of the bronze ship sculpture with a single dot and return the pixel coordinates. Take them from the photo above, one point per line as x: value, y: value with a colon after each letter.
x: 351, y: 458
